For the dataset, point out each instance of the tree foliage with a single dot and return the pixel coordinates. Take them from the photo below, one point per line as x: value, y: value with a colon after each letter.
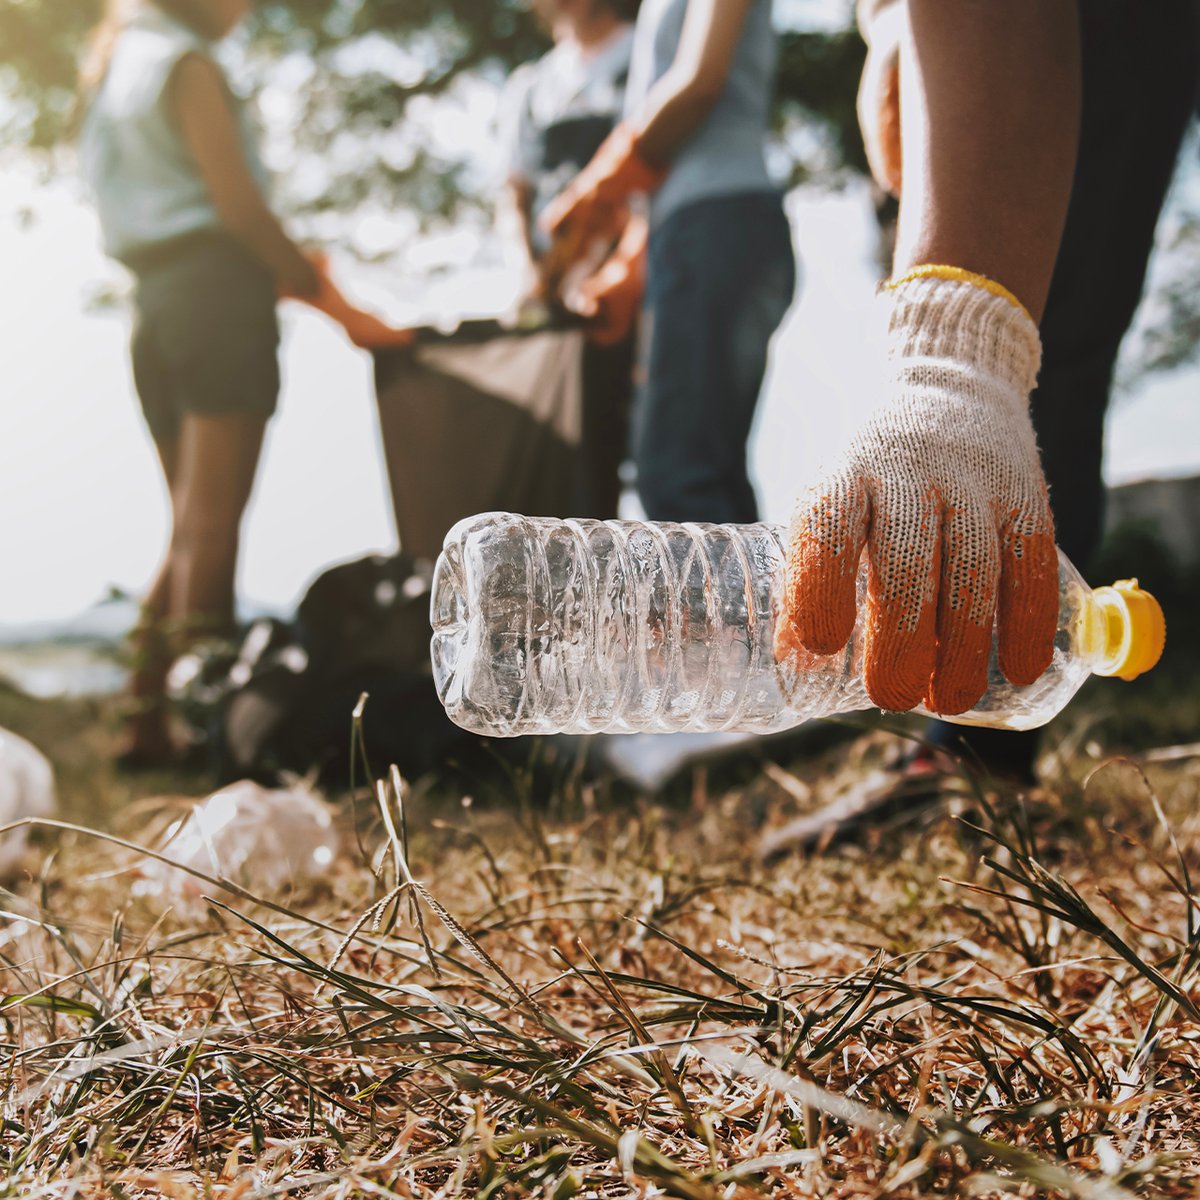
x: 363, y: 73
x: 364, y: 80
x: 40, y: 46
x: 1167, y: 334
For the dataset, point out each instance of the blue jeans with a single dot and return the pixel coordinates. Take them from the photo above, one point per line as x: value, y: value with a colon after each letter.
x: 720, y: 276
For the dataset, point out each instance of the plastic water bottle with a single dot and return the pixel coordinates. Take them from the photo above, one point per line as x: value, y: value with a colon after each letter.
x: 577, y: 626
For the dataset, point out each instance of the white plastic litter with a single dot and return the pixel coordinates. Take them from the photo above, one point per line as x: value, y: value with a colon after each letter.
x: 26, y: 790
x: 649, y: 761
x: 269, y: 840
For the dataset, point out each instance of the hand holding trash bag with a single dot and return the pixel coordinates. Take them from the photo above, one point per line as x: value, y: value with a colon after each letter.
x: 593, y: 204
x: 610, y: 299
x: 611, y: 296
x: 943, y: 487
x: 364, y: 329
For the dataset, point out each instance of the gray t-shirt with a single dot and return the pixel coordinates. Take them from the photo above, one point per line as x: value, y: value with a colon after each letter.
x: 146, y: 185
x: 726, y: 155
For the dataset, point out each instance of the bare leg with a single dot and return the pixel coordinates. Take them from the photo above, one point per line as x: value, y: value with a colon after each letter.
x: 989, y: 121
x: 146, y: 734
x: 158, y: 597
x: 210, y: 471
x: 218, y: 457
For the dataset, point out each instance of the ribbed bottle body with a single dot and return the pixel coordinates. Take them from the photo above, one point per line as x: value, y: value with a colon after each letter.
x: 576, y: 626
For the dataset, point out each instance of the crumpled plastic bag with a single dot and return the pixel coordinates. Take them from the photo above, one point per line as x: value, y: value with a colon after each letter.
x: 270, y: 840
x: 26, y: 790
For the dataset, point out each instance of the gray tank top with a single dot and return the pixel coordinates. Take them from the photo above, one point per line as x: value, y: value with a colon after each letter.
x: 726, y: 154
x: 145, y: 183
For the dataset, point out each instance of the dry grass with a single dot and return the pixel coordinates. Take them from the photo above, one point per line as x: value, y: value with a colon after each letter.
x: 611, y: 997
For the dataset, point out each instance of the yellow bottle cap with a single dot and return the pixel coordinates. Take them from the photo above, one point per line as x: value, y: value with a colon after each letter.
x: 1134, y: 629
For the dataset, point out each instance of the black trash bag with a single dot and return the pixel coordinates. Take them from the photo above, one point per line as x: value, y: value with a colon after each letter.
x: 288, y: 700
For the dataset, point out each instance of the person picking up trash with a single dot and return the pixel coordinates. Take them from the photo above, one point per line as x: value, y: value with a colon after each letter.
x: 554, y: 113
x: 942, y: 486
x: 996, y: 129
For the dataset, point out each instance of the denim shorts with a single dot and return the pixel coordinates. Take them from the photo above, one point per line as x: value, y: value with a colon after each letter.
x: 206, y: 335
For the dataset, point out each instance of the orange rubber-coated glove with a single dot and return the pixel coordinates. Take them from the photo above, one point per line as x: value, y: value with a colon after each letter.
x: 943, y: 487
x: 610, y: 299
x: 593, y: 204
x: 612, y: 295
x: 364, y: 329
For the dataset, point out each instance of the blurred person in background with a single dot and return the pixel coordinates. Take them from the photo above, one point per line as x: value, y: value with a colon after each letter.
x: 555, y: 113
x: 713, y: 247
x: 173, y: 164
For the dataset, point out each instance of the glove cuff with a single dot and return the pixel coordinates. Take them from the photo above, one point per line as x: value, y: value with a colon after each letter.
x: 945, y: 313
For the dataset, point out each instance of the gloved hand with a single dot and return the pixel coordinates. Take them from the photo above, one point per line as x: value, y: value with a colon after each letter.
x: 364, y: 329
x: 944, y: 488
x: 569, y: 259
x: 592, y: 205
x: 610, y: 298
x: 879, y: 99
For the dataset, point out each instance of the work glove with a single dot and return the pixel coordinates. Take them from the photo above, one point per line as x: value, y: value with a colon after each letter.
x: 593, y: 204
x: 610, y: 298
x: 569, y: 259
x: 943, y: 487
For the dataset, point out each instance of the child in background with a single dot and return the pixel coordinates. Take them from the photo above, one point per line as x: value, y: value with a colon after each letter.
x: 180, y: 190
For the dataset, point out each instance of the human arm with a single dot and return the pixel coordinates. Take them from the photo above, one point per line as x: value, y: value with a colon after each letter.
x: 991, y: 115
x: 521, y: 139
x: 610, y: 297
x: 942, y: 485
x: 638, y: 153
x: 209, y: 129
x: 200, y: 105
x: 363, y: 328
x: 538, y: 273
x: 961, y: 67
x: 679, y: 101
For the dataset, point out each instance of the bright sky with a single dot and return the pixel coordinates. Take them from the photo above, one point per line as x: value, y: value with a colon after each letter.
x: 82, y: 504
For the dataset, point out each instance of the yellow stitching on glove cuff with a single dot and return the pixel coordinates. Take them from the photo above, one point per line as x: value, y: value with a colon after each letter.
x: 959, y: 274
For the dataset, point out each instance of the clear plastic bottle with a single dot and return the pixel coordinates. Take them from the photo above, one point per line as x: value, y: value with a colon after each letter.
x: 576, y: 626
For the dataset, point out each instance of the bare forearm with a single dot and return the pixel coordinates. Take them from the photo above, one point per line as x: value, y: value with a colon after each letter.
x: 675, y: 109
x: 515, y: 207
x: 989, y: 122
x: 680, y: 101
x: 201, y: 107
